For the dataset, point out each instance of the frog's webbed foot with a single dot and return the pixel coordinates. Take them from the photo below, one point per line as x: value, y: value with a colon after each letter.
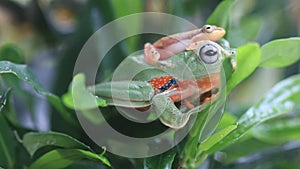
x: 153, y: 56
x: 169, y: 114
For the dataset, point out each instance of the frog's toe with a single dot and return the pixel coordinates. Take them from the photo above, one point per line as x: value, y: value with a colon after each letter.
x: 151, y: 55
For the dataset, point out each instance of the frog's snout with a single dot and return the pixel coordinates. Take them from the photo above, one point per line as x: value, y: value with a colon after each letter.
x: 216, y: 34
x: 221, y: 32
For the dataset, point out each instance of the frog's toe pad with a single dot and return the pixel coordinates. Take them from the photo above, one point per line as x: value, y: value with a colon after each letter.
x: 151, y: 55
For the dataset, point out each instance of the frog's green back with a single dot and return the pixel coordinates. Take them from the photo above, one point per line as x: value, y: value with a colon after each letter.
x: 188, y: 66
x: 185, y: 65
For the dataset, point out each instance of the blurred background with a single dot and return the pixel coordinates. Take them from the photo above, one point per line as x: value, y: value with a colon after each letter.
x: 51, y: 33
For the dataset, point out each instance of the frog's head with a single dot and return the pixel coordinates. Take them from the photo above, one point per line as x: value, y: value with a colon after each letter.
x: 213, y: 32
x: 210, y: 52
x: 209, y: 57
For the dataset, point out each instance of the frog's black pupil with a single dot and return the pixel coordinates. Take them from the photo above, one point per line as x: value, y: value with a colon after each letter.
x: 208, y: 27
x: 210, y: 53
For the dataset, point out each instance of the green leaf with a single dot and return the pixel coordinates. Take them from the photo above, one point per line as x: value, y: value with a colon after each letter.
x: 163, y: 161
x: 10, y: 114
x: 62, y: 158
x: 221, y: 15
x: 195, y: 135
x: 7, y: 152
x: 278, y: 131
x: 226, y: 120
x: 198, y: 131
x: 280, y: 53
x: 3, y: 98
x: 11, y: 52
x: 281, y: 99
x: 122, y: 8
x: 25, y: 74
x: 237, y: 36
x: 242, y: 148
x: 8, y: 110
x: 34, y: 141
x: 215, y: 138
x: 78, y: 97
x: 247, y: 60
x: 228, y: 68
x: 85, y: 164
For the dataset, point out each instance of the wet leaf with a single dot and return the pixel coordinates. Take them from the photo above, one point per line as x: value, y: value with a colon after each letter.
x: 281, y: 99
x: 62, y: 158
x: 278, y: 131
x: 215, y: 138
x: 25, y: 74
x: 34, y: 141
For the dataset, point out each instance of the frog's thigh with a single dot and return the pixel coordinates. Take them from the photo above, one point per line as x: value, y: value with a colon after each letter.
x: 183, y: 93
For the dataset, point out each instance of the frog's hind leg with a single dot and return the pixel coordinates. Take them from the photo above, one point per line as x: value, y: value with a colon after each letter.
x: 169, y: 114
x: 156, y: 54
x: 185, y: 91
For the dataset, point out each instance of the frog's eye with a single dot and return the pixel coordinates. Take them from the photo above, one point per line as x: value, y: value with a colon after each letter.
x: 208, y: 53
x: 207, y: 28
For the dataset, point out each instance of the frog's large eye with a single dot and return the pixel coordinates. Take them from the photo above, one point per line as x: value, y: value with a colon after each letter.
x: 208, y: 53
x: 208, y: 28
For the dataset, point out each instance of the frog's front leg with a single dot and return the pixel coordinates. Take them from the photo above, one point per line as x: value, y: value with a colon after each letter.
x: 169, y: 114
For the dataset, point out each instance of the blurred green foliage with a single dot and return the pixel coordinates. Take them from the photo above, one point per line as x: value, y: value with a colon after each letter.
x: 40, y: 41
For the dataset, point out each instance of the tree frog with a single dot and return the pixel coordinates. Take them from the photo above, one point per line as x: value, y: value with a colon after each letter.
x: 170, y: 45
x: 173, y: 92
